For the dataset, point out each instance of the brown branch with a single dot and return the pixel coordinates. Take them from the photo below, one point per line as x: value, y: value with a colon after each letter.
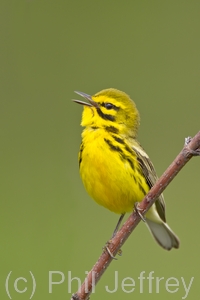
x: 192, y: 148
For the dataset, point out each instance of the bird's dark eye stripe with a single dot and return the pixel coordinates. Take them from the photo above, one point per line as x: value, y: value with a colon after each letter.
x: 105, y: 116
x: 112, y: 106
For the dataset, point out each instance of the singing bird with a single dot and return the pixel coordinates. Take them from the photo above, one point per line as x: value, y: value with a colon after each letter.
x: 115, y: 169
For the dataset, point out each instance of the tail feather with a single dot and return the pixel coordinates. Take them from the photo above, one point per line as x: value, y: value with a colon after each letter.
x: 163, y: 234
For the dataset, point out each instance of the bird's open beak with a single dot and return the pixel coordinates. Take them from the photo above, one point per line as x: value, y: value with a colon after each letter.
x: 87, y: 97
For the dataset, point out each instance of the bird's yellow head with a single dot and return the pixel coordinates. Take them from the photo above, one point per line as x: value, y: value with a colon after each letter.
x: 110, y: 108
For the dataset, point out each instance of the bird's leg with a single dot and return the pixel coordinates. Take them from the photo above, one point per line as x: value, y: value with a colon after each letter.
x: 113, y: 235
x: 118, y: 224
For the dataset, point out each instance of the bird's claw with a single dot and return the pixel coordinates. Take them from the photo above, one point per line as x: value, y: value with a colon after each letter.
x: 137, y: 209
x: 106, y: 248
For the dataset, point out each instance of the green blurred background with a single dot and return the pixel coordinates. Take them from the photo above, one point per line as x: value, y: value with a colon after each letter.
x: 149, y: 49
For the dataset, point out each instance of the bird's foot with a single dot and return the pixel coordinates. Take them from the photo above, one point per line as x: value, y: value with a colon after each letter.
x: 137, y: 209
x: 106, y: 248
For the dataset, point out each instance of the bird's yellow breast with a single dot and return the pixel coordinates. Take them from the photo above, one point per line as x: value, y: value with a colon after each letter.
x: 110, y: 171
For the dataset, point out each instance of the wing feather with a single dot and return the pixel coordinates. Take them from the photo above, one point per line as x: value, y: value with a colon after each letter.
x: 151, y: 177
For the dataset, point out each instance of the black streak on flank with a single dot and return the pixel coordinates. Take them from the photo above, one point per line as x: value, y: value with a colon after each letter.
x: 117, y: 139
x: 105, y: 116
x: 113, y: 147
x: 131, y: 163
x: 133, y: 177
x: 120, y: 151
x: 129, y: 150
x: 80, y: 154
x: 141, y: 188
x: 112, y: 129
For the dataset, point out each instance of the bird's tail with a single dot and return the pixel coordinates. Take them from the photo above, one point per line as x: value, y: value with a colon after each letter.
x: 163, y: 234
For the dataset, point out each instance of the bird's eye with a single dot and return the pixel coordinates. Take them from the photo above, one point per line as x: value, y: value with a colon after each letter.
x: 109, y: 105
